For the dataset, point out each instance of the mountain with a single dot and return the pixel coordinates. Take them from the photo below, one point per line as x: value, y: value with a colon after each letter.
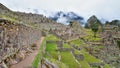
x: 114, y: 23
x: 93, y: 19
x: 66, y: 17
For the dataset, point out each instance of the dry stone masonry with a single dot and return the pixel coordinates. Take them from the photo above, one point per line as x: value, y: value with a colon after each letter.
x: 13, y: 37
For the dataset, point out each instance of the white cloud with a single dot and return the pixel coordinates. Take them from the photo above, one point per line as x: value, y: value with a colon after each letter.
x: 108, y: 9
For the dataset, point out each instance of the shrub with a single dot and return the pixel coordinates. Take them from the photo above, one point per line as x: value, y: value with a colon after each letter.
x: 118, y: 42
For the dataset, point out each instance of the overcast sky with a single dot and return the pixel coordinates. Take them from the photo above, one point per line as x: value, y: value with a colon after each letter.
x: 107, y: 9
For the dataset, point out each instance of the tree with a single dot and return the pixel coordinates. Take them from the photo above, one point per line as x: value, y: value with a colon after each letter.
x: 95, y: 28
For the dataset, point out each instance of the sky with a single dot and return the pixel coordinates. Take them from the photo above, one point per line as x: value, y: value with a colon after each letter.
x: 103, y: 9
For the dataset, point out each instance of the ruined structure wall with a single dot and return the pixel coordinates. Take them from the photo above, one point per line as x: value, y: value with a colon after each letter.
x: 15, y: 36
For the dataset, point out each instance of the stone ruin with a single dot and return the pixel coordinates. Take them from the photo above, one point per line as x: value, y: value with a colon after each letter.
x: 14, y: 39
x: 111, y: 52
x: 66, y: 34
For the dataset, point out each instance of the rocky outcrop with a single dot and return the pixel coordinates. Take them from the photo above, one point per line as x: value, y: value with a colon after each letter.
x: 114, y: 23
x: 93, y: 19
x: 15, y: 37
x: 3, y: 9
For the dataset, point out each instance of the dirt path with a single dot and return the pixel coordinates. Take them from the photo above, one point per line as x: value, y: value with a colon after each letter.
x: 29, y: 59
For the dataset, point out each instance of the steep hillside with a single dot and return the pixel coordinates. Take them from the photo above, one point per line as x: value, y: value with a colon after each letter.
x: 34, y: 20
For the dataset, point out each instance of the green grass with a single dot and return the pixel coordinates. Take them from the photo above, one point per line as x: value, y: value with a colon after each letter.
x: 84, y: 64
x: 60, y: 64
x: 52, y: 38
x: 39, y: 56
x: 90, y: 36
x: 51, y: 48
x: 77, y: 51
x: 36, y: 61
x: 77, y: 42
x: 107, y: 66
x: 68, y: 59
x: 89, y: 58
x: 9, y: 18
x: 66, y: 45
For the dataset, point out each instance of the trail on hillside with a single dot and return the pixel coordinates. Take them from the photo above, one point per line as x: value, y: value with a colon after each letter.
x: 30, y: 58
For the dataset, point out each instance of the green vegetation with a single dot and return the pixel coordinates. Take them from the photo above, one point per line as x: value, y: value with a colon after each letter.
x: 66, y: 45
x: 51, y: 37
x: 39, y: 56
x: 77, y: 51
x: 90, y: 37
x: 8, y: 17
x: 84, y: 64
x: 51, y: 49
x: 60, y: 64
x: 77, y: 42
x: 106, y: 66
x: 50, y: 46
x: 89, y: 58
x: 118, y: 42
x: 36, y: 60
x: 95, y: 28
x: 68, y: 59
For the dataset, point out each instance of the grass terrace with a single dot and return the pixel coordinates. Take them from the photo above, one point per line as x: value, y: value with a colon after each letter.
x: 51, y: 37
x: 89, y: 58
x: 84, y: 64
x: 66, y: 45
x: 90, y: 36
x: 68, y: 59
x: 51, y: 49
x: 77, y: 42
x: 59, y: 63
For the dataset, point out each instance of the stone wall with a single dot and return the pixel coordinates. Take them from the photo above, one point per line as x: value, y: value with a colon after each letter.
x: 14, y: 36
